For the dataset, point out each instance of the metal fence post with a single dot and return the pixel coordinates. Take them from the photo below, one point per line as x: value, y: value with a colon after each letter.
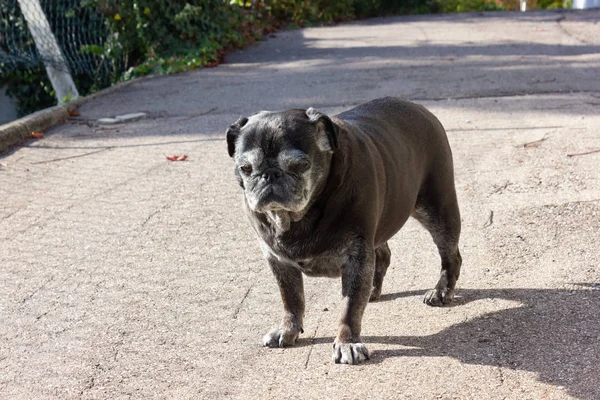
x: 45, y: 42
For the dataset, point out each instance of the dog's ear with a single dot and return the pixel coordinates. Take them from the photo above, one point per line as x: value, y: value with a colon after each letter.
x: 327, y: 131
x: 232, y: 134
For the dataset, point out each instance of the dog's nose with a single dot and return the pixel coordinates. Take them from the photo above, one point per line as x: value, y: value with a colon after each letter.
x: 271, y: 174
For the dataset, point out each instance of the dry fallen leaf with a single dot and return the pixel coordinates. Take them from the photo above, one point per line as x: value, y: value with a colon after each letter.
x: 37, y: 135
x: 177, y: 158
x: 73, y: 113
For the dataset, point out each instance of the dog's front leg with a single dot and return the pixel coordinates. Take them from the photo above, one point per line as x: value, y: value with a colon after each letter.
x: 291, y: 288
x: 357, y: 279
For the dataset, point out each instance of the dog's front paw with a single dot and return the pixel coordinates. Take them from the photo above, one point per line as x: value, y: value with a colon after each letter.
x: 349, y: 353
x: 278, y: 337
x: 438, y: 298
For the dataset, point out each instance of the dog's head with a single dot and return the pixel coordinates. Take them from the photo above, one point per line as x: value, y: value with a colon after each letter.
x: 282, y: 158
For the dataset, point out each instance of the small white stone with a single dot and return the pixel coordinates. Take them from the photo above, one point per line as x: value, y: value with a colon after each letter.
x: 130, y: 117
x: 108, y: 121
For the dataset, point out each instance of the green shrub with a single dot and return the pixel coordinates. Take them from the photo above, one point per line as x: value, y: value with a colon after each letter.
x: 302, y: 12
x: 30, y: 88
x: 469, y: 5
x: 141, y: 29
x: 550, y: 4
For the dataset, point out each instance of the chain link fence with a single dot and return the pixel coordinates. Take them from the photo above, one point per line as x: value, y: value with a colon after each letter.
x: 78, y: 28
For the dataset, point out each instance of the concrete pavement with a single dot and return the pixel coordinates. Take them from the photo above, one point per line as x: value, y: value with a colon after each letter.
x: 123, y: 275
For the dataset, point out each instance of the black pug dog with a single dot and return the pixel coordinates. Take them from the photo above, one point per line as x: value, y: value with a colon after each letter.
x: 325, y: 195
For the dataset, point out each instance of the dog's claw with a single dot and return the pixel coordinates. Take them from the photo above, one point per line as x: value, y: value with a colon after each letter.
x: 349, y: 353
x: 438, y: 298
x: 278, y: 337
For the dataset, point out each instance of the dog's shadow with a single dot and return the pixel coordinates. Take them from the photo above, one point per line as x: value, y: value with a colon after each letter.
x: 555, y: 333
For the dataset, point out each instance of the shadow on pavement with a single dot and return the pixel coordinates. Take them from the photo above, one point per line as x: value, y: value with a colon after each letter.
x: 467, y: 17
x: 150, y: 144
x: 554, y: 334
x: 433, y: 52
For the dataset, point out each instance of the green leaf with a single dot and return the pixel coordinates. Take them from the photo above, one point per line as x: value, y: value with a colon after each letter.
x: 91, y: 49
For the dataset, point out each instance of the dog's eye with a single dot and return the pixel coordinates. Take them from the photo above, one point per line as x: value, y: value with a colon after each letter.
x: 246, y: 168
x: 299, y: 166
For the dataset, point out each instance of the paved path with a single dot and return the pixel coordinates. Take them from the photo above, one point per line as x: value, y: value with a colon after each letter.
x: 123, y: 275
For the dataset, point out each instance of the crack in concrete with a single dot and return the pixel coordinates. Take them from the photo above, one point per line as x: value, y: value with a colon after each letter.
x: 569, y: 202
x: 500, y: 374
x: 117, y: 345
x: 91, y: 381
x: 152, y: 215
x: 10, y: 214
x: 30, y: 295
x: 43, y: 314
x: 564, y: 30
x: 313, y: 336
x: 239, y: 306
x: 71, y: 157
x: 85, y: 200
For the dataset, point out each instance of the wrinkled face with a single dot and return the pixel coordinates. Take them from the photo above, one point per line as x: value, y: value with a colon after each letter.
x: 280, y: 159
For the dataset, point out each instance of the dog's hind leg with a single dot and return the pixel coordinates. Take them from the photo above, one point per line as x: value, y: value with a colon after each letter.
x: 437, y: 210
x: 382, y: 262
